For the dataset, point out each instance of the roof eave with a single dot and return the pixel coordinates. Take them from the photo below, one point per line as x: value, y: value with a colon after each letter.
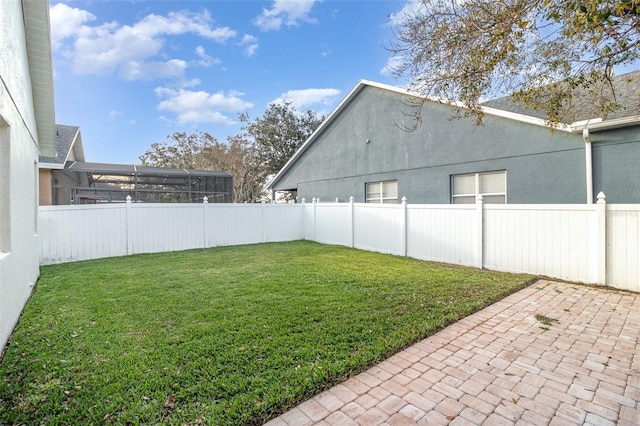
x: 594, y: 124
x: 599, y: 124
x: 38, y: 38
x: 50, y: 166
x: 356, y: 89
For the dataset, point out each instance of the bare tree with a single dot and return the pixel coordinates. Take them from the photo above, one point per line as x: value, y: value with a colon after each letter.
x: 544, y: 52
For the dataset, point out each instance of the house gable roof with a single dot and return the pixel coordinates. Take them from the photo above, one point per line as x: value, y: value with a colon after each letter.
x: 627, y: 95
x: 68, y: 139
x: 500, y: 109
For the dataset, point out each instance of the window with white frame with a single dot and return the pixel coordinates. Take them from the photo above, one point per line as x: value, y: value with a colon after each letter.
x: 491, y: 185
x: 382, y: 192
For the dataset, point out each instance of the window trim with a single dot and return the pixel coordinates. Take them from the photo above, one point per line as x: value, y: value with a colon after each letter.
x: 382, y: 197
x: 477, y: 186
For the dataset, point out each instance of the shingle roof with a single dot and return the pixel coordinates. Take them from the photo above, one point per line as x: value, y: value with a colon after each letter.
x: 627, y: 95
x: 65, y: 135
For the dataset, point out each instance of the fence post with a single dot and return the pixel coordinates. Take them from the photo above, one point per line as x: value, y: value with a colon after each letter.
x: 601, y: 239
x: 403, y: 231
x: 479, y: 232
x: 205, y: 204
x: 262, y: 207
x: 129, y: 226
x: 351, y: 222
x: 313, y: 201
x: 304, y: 218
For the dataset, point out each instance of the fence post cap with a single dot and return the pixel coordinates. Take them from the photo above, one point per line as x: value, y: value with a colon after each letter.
x: 480, y: 199
x: 129, y: 199
x: 304, y: 201
x: 351, y: 199
x: 404, y: 200
x: 601, y: 198
x: 205, y: 200
x: 313, y: 200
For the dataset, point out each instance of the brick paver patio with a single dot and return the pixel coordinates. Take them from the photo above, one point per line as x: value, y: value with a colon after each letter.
x: 502, y: 366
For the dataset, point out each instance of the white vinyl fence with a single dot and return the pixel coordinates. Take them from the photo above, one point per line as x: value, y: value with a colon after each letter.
x: 596, y: 243
x: 71, y: 233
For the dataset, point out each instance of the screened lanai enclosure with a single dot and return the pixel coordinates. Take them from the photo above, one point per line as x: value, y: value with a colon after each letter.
x: 94, y: 183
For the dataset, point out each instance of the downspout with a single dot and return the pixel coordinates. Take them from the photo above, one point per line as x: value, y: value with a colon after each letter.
x: 588, y: 164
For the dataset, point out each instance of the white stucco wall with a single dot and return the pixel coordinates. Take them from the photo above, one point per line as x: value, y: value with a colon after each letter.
x: 18, y: 163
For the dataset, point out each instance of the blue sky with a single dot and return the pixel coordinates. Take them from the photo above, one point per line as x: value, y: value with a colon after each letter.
x: 129, y: 73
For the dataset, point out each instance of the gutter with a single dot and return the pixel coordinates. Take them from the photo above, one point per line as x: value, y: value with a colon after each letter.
x: 588, y: 163
x: 595, y: 125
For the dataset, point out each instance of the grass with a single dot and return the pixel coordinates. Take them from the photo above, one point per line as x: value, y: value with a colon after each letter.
x: 547, y: 321
x: 231, y: 335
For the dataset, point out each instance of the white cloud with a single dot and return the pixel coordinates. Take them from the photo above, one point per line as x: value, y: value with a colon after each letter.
x: 65, y: 22
x: 410, y: 8
x: 133, y: 51
x: 392, y: 65
x: 250, y: 44
x: 303, y: 99
x: 287, y: 12
x: 205, y: 60
x: 133, y: 70
x: 202, y: 107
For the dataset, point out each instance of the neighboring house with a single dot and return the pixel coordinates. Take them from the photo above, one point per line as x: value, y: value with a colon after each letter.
x: 27, y: 130
x: 54, y: 180
x: 66, y: 178
x: 365, y: 149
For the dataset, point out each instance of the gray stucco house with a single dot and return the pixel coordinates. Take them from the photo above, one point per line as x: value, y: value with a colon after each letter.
x: 363, y: 149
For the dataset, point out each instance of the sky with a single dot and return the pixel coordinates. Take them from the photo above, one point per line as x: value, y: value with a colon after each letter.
x: 130, y: 73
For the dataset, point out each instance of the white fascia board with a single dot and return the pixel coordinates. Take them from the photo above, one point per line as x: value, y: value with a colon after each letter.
x: 487, y: 110
x: 52, y: 166
x: 77, y: 147
x: 523, y: 118
x: 356, y: 89
x: 598, y: 124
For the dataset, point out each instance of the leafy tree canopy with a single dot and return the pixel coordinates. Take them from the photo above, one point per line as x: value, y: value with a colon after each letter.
x: 544, y: 52
x: 260, y: 150
x: 280, y: 132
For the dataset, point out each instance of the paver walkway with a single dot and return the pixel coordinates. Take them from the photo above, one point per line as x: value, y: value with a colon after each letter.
x: 502, y: 366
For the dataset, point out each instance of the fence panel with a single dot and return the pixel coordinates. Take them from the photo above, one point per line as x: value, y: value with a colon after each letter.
x: 233, y: 224
x: 378, y: 227
x: 623, y: 246
x: 283, y: 222
x: 67, y: 233
x: 557, y: 241
x: 165, y: 227
x: 560, y: 241
x: 442, y: 233
x: 333, y: 223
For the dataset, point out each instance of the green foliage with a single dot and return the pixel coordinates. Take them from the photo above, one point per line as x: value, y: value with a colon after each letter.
x: 263, y: 147
x: 280, y: 132
x: 181, y: 151
x: 227, y: 336
x: 543, y: 51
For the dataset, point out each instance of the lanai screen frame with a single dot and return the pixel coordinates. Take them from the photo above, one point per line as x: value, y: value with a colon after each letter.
x: 109, y: 183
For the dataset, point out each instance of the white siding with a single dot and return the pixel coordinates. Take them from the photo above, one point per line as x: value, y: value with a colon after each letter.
x: 19, y: 153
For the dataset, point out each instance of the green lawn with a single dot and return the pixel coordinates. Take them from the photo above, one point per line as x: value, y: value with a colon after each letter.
x: 230, y: 335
